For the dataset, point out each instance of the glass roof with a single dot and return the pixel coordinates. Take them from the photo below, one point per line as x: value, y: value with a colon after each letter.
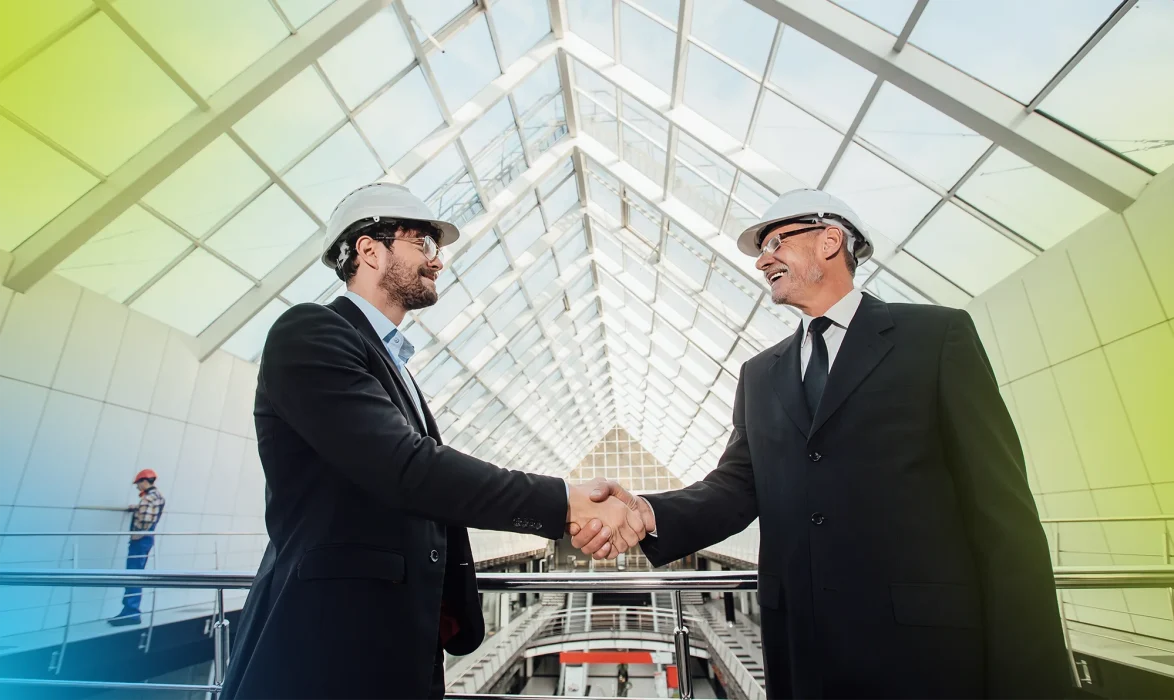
x: 600, y: 156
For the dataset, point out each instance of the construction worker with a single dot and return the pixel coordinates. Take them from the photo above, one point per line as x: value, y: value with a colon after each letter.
x: 146, y: 517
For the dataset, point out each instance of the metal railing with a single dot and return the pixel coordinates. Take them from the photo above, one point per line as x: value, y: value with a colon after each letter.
x: 1069, y: 577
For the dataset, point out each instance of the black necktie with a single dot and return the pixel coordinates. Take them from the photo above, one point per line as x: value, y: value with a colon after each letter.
x: 817, y: 367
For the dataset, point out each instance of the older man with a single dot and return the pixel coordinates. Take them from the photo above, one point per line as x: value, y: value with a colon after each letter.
x: 901, y: 553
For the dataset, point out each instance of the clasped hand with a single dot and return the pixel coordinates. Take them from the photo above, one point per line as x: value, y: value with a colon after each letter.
x: 605, y: 520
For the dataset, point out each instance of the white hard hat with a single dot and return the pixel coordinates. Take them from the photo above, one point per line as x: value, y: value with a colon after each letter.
x: 385, y: 201
x: 805, y: 203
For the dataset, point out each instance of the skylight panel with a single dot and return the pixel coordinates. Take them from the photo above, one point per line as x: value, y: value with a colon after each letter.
x: 341, y: 164
x: 592, y: 20
x: 920, y: 136
x: 466, y: 65
x: 452, y: 302
x: 263, y: 233
x: 1125, y: 67
x: 368, y: 58
x: 291, y: 120
x: 736, y: 29
x: 430, y: 16
x: 523, y: 235
x: 193, y: 294
x: 542, y: 85
x: 805, y: 68
x: 719, y: 92
x: 205, y: 190
x: 890, y: 15
x: 401, y: 117
x: 1015, y: 47
x: 890, y: 201
x: 647, y: 47
x: 520, y: 24
x: 247, y: 342
x: 310, y: 284
x: 484, y: 273
x: 966, y: 251
x: 562, y: 200
x: 106, y: 265
x: 1026, y: 199
x: 795, y: 141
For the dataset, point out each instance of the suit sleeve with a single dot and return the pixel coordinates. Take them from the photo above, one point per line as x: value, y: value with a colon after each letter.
x: 1025, y: 650
x: 314, y: 369
x: 719, y: 506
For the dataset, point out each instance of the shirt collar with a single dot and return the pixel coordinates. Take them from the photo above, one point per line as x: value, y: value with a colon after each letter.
x: 396, y: 342
x: 841, y: 312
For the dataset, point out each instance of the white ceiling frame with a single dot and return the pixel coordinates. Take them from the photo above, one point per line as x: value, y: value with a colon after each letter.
x: 502, y: 339
x: 514, y: 405
x: 307, y: 253
x: 1069, y: 157
x: 903, y: 265
x: 542, y: 433
x: 55, y: 241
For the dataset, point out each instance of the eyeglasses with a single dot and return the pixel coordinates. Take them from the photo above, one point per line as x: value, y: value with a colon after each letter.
x: 427, y: 244
x: 772, y: 244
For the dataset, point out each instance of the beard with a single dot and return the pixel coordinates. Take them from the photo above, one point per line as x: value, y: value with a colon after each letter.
x: 796, y: 281
x: 405, y: 287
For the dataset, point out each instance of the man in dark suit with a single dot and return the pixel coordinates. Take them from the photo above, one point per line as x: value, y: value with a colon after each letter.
x: 901, y: 554
x: 369, y: 576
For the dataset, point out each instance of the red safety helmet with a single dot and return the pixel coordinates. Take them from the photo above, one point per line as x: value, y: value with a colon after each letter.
x: 145, y: 474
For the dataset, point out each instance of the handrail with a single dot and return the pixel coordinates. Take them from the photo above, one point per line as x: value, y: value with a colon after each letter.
x: 119, y: 533
x: 1065, y: 577
x: 627, y: 582
x: 1110, y: 519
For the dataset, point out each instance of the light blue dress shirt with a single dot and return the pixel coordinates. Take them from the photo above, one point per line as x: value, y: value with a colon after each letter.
x: 398, y: 346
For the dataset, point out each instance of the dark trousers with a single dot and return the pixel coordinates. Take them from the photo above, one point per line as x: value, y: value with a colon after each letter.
x: 437, y: 689
x: 136, y: 558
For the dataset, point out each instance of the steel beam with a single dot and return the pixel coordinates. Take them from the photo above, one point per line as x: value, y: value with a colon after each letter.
x: 1069, y: 157
x: 70, y: 229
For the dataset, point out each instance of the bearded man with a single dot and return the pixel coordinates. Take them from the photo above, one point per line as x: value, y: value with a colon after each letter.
x: 369, y: 577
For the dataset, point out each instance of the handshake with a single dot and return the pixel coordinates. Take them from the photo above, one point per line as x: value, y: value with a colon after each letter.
x: 605, y: 520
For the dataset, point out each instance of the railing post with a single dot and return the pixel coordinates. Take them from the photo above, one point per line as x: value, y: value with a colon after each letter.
x: 681, y: 637
x: 218, y: 643
x: 1166, y: 553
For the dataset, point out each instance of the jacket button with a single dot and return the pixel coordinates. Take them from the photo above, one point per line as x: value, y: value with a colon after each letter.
x: 815, y: 456
x: 434, y: 556
x: 817, y: 518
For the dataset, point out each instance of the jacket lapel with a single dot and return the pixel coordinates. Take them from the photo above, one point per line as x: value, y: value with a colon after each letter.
x: 788, y: 382
x: 863, y: 348
x: 347, y: 309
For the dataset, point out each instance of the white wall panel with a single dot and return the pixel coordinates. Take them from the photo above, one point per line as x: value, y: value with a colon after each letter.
x: 177, y: 378
x: 1019, y: 339
x: 207, y: 407
x: 91, y: 347
x: 239, y: 399
x: 1150, y: 221
x: 58, y: 459
x: 21, y: 405
x: 140, y: 354
x: 1058, y: 307
x: 195, y: 466
x: 1116, y: 286
x: 113, y: 457
x: 160, y: 448
x: 34, y: 331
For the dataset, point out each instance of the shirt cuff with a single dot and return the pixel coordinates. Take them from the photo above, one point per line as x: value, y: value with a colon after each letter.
x: 653, y: 533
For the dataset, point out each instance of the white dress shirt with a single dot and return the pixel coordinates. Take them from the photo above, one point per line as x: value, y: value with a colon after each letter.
x: 840, y: 315
x: 398, y: 346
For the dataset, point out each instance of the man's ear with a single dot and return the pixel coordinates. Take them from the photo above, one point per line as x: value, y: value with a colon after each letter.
x: 832, y: 240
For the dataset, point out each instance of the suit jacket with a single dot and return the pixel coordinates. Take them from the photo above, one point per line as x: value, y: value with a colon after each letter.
x: 901, y: 553
x: 366, y: 513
